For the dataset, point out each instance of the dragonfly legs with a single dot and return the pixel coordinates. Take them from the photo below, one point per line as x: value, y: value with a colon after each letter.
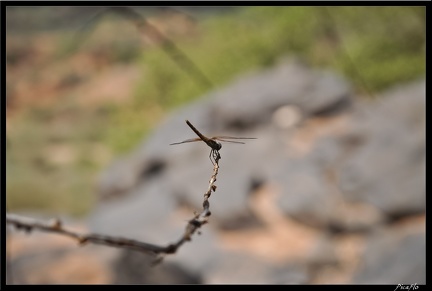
x: 215, y: 155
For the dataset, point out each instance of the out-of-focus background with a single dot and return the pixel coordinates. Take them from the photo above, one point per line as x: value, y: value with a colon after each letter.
x: 331, y: 191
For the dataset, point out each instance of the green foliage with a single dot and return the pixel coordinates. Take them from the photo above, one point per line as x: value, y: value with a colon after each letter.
x: 39, y: 185
x: 51, y: 160
x: 128, y: 127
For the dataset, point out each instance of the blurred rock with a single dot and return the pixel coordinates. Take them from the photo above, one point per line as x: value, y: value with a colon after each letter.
x: 258, y: 96
x: 393, y: 257
x: 234, y: 268
x: 388, y: 168
x: 325, y: 194
x: 252, y: 99
x: 135, y: 268
x: 339, y: 166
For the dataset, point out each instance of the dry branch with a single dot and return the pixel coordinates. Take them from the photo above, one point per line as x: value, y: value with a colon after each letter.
x: 55, y: 226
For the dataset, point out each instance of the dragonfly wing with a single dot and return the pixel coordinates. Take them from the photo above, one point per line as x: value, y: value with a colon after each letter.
x: 188, y: 140
x: 231, y: 137
x: 226, y: 138
x: 229, y: 140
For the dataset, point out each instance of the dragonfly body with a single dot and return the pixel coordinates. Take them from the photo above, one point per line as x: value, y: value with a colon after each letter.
x: 211, y: 142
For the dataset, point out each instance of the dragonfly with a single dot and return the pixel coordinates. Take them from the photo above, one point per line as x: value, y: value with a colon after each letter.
x: 212, y: 142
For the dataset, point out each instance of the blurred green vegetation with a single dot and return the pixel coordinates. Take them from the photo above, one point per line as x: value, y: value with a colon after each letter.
x: 375, y: 47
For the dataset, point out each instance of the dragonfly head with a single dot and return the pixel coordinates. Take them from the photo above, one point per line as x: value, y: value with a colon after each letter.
x: 218, y: 145
x: 214, y: 144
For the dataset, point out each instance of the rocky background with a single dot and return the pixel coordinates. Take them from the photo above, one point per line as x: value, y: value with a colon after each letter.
x: 331, y: 191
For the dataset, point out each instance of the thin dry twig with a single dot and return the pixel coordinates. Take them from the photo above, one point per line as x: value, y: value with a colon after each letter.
x: 55, y: 226
x: 168, y: 46
x: 150, y: 32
